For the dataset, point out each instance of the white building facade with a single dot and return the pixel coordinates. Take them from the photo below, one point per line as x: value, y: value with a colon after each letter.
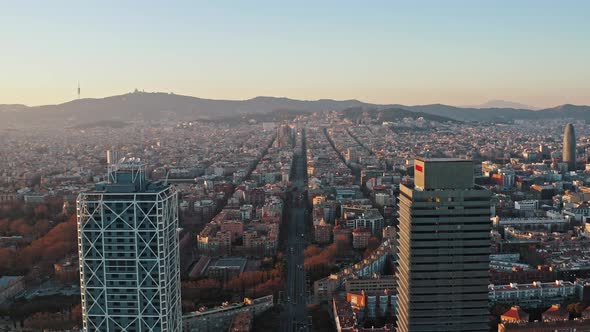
x: 129, y: 254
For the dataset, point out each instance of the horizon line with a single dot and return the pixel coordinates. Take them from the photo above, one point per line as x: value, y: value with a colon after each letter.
x: 476, y: 106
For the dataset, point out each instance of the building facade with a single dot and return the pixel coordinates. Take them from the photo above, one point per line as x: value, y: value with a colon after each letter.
x: 444, y: 245
x: 220, y: 318
x: 533, y: 295
x: 129, y: 255
x: 377, y: 283
x: 360, y: 238
x: 569, y: 147
x: 323, y: 232
x: 373, y: 265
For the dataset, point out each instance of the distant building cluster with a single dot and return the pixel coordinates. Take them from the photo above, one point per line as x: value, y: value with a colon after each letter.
x: 248, y: 224
x: 555, y: 318
x: 243, y: 231
x: 374, y: 265
x: 440, y: 220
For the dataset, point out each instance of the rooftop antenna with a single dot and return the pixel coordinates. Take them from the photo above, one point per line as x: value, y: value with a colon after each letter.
x: 78, y: 89
x: 125, y: 164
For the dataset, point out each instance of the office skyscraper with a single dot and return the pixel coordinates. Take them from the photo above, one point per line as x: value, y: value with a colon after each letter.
x: 569, y: 147
x: 129, y: 255
x: 444, y: 247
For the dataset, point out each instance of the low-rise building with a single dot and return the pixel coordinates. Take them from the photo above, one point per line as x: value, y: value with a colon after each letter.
x: 514, y: 315
x: 226, y: 268
x: 375, y: 283
x: 555, y: 326
x: 526, y: 205
x: 555, y: 313
x: 324, y: 289
x: 370, y: 219
x: 234, y: 227
x: 360, y: 238
x: 533, y: 295
x: 220, y: 318
x: 353, y: 312
x: 323, y: 232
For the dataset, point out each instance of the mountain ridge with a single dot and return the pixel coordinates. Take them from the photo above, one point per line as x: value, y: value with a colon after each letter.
x: 137, y: 106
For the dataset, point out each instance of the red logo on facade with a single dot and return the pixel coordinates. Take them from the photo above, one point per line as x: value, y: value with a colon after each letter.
x: 419, y: 168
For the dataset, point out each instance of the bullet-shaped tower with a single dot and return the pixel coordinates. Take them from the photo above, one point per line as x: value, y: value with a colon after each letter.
x: 569, y: 147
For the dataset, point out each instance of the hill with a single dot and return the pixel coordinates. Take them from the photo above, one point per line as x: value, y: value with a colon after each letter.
x: 141, y: 106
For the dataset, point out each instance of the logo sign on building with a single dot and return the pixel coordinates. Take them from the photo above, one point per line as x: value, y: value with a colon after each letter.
x: 356, y: 300
x: 419, y: 168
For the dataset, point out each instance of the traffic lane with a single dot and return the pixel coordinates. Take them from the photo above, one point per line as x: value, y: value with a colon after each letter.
x: 294, y: 255
x: 298, y: 260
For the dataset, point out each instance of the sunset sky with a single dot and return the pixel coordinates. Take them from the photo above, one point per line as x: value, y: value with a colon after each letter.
x: 409, y: 52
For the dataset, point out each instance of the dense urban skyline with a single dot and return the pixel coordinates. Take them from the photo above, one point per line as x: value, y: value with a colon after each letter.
x: 456, y: 52
x: 291, y: 215
x: 295, y: 166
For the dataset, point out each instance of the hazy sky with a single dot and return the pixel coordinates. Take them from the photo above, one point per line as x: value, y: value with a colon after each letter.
x: 411, y: 52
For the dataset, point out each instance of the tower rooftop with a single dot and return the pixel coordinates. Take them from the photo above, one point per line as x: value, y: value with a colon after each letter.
x: 443, y: 160
x: 443, y: 173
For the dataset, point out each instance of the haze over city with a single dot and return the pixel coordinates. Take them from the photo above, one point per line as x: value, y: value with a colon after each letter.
x: 325, y: 166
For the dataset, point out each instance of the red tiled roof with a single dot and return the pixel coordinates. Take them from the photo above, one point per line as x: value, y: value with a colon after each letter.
x: 515, y: 314
x: 556, y: 312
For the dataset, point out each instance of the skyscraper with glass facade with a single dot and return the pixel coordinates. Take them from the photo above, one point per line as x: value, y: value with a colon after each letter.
x: 444, y: 248
x: 569, y: 147
x: 129, y: 254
